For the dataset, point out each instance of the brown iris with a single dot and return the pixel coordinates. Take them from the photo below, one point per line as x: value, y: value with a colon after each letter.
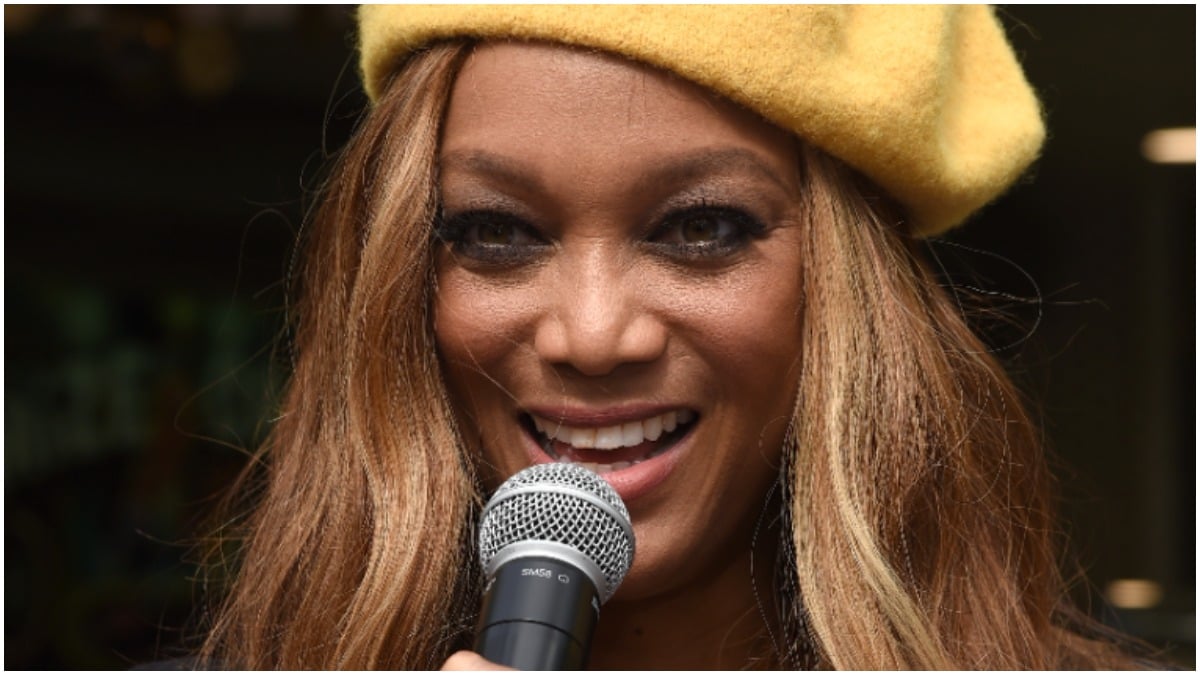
x: 699, y: 229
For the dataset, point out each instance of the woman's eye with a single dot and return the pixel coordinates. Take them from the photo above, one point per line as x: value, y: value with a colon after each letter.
x: 706, y: 231
x: 702, y: 228
x: 495, y: 234
x: 490, y: 237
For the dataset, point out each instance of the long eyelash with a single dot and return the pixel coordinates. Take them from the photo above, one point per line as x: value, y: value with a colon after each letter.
x: 444, y: 230
x: 454, y: 231
x: 753, y: 227
x: 748, y: 226
x: 460, y: 222
x: 454, y: 228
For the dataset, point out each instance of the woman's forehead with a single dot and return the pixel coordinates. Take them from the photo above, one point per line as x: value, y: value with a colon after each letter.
x: 553, y: 104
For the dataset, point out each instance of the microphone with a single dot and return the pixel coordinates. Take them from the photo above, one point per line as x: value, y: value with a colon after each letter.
x: 555, y: 541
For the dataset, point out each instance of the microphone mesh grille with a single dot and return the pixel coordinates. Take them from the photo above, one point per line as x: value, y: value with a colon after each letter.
x: 561, y: 515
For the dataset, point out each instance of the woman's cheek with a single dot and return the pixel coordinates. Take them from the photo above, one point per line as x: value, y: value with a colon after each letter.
x: 750, y: 325
x: 476, y: 321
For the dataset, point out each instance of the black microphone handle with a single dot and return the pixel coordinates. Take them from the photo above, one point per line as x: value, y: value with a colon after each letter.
x: 538, y: 614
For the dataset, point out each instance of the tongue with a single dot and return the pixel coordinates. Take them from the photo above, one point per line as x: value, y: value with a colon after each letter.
x: 592, y: 456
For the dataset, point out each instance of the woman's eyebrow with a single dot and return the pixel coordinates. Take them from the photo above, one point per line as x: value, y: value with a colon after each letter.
x: 481, y: 162
x: 671, y: 170
x: 708, y: 162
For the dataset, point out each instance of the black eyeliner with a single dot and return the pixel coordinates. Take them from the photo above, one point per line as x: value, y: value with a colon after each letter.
x: 747, y: 227
x: 461, y: 230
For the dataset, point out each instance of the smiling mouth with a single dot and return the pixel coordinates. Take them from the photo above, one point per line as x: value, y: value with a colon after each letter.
x: 610, y: 448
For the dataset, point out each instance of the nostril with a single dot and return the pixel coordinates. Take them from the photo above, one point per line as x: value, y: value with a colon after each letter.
x: 597, y: 345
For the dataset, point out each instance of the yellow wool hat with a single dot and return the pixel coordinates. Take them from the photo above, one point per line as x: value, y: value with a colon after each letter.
x: 927, y: 101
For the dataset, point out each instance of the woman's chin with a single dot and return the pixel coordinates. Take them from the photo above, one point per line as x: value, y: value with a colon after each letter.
x: 662, y: 565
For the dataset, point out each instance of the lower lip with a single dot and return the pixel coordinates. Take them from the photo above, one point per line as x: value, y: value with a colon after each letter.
x: 634, y: 481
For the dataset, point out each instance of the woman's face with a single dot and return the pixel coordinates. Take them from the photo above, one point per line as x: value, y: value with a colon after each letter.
x: 620, y: 287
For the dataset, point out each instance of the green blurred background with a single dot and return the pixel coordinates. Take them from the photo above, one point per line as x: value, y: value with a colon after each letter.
x: 158, y: 161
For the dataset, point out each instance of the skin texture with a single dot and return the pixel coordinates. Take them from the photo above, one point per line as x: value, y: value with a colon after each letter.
x: 581, y: 288
x: 465, y: 660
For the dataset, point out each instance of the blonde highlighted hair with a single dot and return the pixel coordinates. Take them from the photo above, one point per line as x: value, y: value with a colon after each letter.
x: 920, y: 524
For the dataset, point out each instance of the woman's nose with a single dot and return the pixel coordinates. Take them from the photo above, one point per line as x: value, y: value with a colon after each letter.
x: 596, y: 318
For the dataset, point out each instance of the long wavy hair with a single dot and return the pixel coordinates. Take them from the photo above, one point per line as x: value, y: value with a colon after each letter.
x: 919, y: 519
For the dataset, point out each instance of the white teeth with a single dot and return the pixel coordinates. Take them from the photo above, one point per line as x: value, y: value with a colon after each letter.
x: 608, y: 438
x: 652, y: 428
x: 624, y: 435
x: 631, y: 434
x: 582, y: 438
x: 604, y: 468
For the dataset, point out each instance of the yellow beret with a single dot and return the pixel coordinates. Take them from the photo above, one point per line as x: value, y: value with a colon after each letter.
x: 927, y: 101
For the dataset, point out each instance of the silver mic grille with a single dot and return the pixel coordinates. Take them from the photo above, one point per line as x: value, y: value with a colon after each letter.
x: 563, y: 504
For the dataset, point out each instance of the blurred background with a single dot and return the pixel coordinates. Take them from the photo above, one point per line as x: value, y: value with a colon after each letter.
x: 158, y: 161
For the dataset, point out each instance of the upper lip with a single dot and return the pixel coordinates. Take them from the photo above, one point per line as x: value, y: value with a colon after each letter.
x: 584, y: 417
